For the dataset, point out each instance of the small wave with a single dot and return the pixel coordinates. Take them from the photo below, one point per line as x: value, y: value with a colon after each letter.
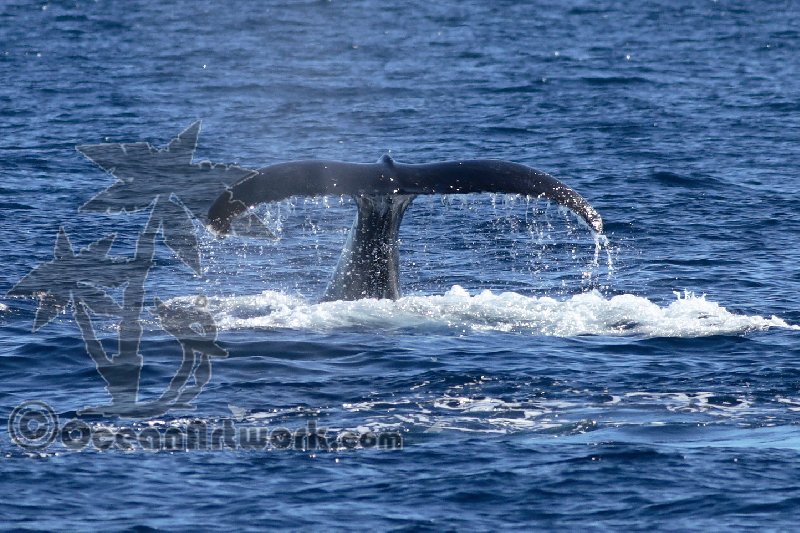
x: 614, y: 80
x: 15, y: 205
x: 676, y: 180
x: 589, y: 313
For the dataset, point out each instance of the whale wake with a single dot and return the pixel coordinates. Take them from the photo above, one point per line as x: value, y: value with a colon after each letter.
x: 459, y: 312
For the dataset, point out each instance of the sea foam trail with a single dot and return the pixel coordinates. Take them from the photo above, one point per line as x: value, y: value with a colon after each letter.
x: 589, y: 313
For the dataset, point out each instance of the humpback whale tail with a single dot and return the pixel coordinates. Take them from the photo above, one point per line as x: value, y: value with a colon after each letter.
x: 369, y: 264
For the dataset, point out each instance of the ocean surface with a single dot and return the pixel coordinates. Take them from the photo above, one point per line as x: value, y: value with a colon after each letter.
x: 532, y: 376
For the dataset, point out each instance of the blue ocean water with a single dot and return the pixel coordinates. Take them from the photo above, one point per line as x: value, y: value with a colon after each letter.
x: 535, y: 379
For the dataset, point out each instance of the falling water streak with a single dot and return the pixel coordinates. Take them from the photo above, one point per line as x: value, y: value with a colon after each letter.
x: 597, y: 247
x: 602, y: 242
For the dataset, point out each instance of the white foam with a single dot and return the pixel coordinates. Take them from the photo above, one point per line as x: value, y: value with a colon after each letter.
x: 568, y: 415
x: 589, y: 313
x: 692, y: 402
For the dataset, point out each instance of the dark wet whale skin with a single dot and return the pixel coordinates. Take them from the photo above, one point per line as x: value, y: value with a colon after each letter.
x: 369, y: 264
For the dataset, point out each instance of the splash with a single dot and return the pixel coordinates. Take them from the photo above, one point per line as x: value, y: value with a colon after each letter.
x: 459, y: 312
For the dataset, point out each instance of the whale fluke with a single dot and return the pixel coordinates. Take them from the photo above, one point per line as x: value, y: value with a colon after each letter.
x: 368, y: 267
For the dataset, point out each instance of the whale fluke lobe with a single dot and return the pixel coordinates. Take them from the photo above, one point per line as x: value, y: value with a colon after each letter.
x: 480, y: 175
x: 368, y: 266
